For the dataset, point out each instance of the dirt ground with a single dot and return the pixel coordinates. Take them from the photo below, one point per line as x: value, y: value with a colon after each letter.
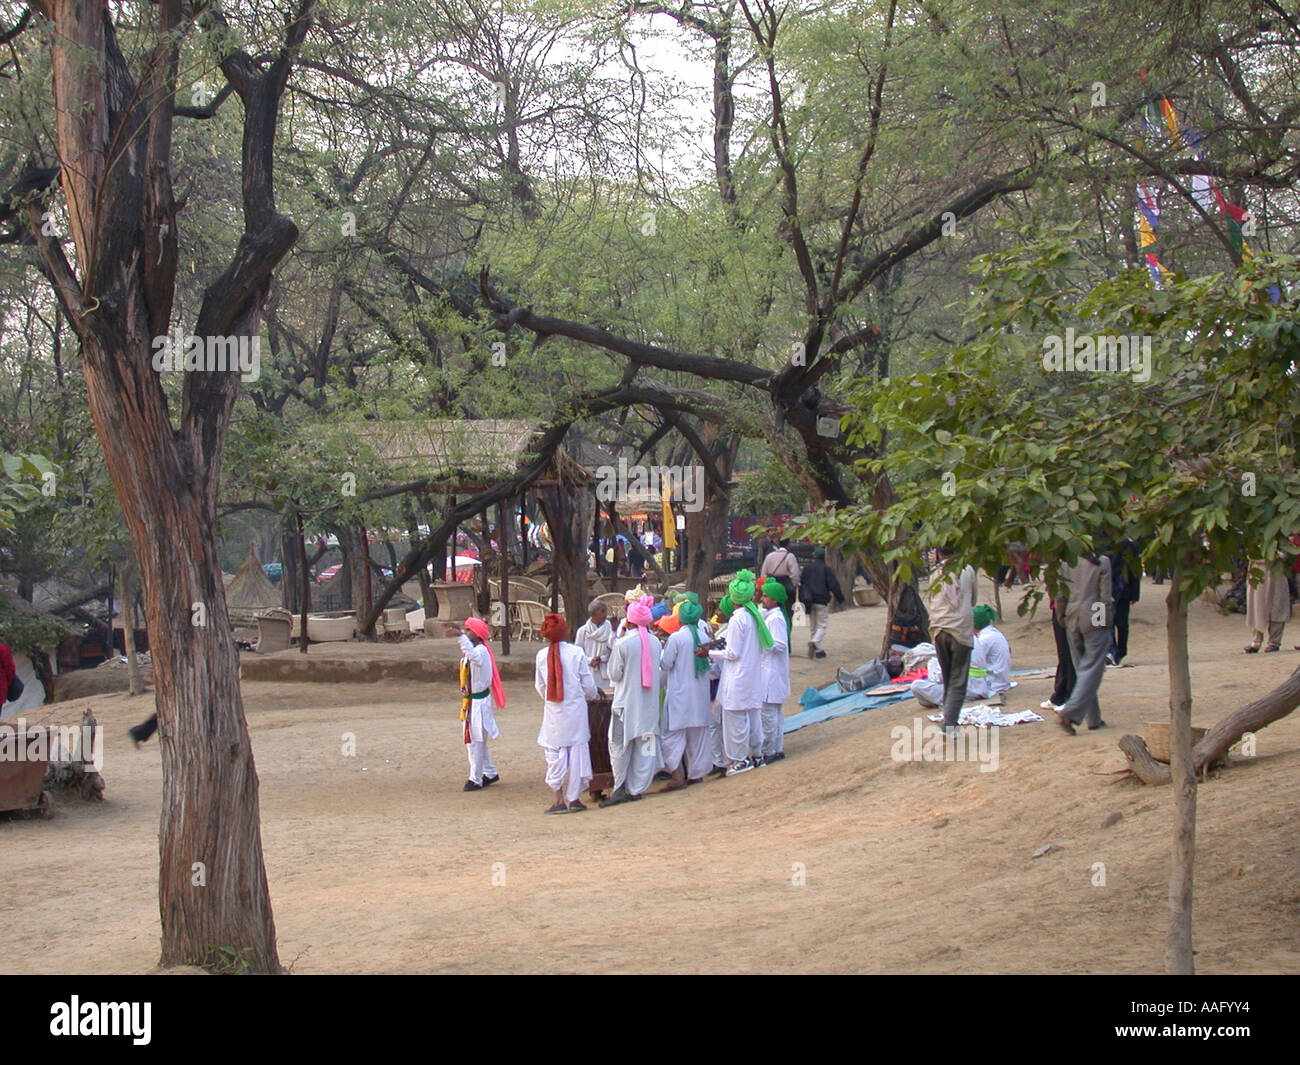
x: 836, y: 860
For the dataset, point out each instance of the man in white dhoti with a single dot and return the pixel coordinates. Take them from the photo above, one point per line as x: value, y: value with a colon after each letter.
x: 776, y: 668
x: 990, y: 660
x: 686, y: 717
x: 596, y: 638
x: 480, y: 689
x: 634, y: 752
x: 1268, y: 606
x: 741, y: 689
x: 564, y: 681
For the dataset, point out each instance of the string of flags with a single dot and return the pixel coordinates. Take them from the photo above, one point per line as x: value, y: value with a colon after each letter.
x: 1159, y: 112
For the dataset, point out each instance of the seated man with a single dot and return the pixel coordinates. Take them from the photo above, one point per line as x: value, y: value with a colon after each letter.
x: 929, y: 689
x: 990, y: 663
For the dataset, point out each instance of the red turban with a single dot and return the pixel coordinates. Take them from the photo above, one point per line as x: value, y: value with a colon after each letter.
x: 555, y: 629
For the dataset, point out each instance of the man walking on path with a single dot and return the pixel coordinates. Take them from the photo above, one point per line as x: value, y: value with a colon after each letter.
x: 952, y: 628
x: 1086, y: 615
x: 816, y: 586
x: 782, y: 565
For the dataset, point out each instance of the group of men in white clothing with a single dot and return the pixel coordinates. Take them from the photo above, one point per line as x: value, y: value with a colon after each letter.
x: 989, y: 673
x: 661, y: 664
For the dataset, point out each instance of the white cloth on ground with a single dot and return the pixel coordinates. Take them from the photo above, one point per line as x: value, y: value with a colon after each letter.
x: 985, y: 716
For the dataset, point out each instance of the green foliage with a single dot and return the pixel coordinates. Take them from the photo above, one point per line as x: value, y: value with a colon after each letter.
x: 21, y: 480
x: 27, y: 631
x: 1197, y: 463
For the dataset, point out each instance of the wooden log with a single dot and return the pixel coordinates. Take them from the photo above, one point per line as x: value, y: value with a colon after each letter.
x: 1140, y: 762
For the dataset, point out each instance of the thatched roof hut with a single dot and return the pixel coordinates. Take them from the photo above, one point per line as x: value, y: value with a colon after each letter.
x: 250, y: 592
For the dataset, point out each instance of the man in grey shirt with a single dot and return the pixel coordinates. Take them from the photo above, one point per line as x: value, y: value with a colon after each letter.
x: 952, y: 628
x: 1086, y: 615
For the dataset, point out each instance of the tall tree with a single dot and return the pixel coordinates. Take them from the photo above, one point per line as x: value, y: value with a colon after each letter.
x: 113, y: 141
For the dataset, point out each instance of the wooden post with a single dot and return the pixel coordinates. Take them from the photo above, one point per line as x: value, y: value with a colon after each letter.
x: 306, y: 583
x: 613, y: 546
x: 484, y: 597
x: 1178, y: 939
x: 523, y: 529
x: 367, y: 592
x: 504, y: 540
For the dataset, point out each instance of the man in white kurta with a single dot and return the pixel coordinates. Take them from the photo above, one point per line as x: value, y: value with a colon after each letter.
x: 741, y: 689
x: 596, y: 638
x: 482, y: 721
x: 565, y: 732
x: 990, y: 661
x: 634, y: 750
x: 776, y: 672
x: 685, y: 720
x: 1268, y: 606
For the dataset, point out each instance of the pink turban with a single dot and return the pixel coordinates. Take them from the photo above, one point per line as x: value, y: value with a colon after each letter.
x: 480, y: 629
x: 639, y: 614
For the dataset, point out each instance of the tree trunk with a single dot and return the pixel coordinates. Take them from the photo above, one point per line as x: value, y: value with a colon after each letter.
x: 569, y: 510
x: 290, y: 563
x: 1178, y: 942
x: 133, y: 685
x: 114, y: 144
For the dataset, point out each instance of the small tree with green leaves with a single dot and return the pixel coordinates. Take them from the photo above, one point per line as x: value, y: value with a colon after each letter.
x: 1191, y: 453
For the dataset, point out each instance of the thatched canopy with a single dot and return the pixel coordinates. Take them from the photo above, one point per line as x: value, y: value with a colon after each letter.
x: 454, y: 454
x: 250, y: 592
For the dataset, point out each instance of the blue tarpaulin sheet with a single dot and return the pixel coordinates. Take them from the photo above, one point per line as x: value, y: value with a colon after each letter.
x: 822, y: 704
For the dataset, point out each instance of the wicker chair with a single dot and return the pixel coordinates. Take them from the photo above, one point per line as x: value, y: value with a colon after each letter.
x: 615, y: 604
x: 531, y: 615
x: 273, y: 629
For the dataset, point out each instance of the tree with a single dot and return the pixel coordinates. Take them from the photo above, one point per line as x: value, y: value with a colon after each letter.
x: 1193, y: 459
x: 114, y: 101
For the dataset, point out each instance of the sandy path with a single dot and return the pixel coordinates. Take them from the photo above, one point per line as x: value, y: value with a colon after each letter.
x: 381, y: 863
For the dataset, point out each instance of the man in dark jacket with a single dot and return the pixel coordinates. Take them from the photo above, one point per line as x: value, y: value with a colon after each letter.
x: 1126, y: 588
x: 816, y: 586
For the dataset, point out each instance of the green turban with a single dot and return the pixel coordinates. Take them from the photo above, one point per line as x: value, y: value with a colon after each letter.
x: 775, y: 590
x: 689, y: 615
x: 726, y: 607
x: 984, y: 615
x: 741, y: 588
x: 741, y: 591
